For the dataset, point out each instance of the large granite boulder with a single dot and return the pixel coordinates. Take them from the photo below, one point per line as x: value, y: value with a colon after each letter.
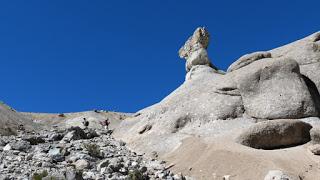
x: 305, y: 51
x: 273, y: 88
x: 274, y: 134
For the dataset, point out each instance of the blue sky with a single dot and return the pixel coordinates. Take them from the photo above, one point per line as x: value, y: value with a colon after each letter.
x: 66, y: 56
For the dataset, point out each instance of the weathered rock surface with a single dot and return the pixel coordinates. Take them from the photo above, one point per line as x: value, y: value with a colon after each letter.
x: 195, y: 49
x: 304, y: 51
x: 315, y: 135
x: 199, y: 39
x: 312, y: 71
x: 273, y: 88
x: 248, y: 59
x: 275, y: 134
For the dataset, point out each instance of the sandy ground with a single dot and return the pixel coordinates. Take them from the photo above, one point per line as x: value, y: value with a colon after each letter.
x: 213, y: 160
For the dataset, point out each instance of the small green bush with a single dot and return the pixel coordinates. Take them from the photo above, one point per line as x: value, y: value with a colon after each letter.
x: 136, y: 175
x: 93, y: 150
x: 37, y: 176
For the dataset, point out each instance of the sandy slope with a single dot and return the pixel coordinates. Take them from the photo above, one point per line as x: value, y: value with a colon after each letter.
x: 221, y: 157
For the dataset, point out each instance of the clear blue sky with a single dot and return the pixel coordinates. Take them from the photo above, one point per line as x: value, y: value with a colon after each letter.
x: 65, y: 56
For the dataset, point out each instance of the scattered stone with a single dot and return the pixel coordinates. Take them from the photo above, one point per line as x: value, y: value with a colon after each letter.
x: 274, y: 134
x: 315, y: 149
x: 279, y: 175
x: 20, y: 146
x: 34, y: 140
x: 55, y: 137
x: 7, y: 147
x: 75, y: 133
x: 90, y: 133
x: 73, y: 160
x: 226, y: 177
x: 82, y: 164
x: 315, y: 135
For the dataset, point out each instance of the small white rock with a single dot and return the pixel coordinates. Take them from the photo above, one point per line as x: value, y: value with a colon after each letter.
x: 7, y: 148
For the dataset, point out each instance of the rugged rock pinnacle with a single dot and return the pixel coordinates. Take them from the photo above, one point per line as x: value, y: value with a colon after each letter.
x: 195, y: 49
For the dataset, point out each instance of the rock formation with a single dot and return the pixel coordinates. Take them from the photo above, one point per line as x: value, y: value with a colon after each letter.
x: 275, y: 134
x: 215, y: 125
x: 195, y: 49
x: 260, y: 86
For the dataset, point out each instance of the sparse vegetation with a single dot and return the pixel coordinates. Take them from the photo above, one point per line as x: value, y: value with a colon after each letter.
x: 93, y: 150
x: 136, y: 175
x: 37, y: 176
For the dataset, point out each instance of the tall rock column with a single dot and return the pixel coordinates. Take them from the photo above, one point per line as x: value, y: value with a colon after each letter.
x: 194, y: 51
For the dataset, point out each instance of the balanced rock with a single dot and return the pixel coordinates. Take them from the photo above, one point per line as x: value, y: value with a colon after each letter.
x: 199, y: 39
x: 273, y: 134
x: 195, y: 49
x: 273, y: 88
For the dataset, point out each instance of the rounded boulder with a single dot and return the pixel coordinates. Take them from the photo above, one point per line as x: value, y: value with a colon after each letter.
x: 273, y: 134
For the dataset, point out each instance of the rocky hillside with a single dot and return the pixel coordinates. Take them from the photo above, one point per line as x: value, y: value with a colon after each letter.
x: 10, y: 120
x: 266, y: 100
x: 75, y: 154
x: 66, y: 120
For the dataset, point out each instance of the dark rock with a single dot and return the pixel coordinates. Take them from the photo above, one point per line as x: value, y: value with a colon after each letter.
x: 20, y: 146
x: 274, y: 134
x: 34, y: 140
x: 90, y: 133
x: 75, y: 133
x: 55, y: 137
